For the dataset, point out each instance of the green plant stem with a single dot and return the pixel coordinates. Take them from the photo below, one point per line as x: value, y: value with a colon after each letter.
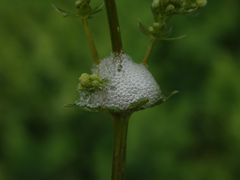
x: 114, y: 26
x: 90, y: 40
x: 149, y: 51
x: 120, y: 124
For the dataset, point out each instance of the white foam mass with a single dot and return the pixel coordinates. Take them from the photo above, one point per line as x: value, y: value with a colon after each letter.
x: 126, y: 83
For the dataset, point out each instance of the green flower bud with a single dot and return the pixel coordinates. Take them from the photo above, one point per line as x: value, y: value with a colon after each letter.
x: 170, y: 8
x: 201, y: 3
x: 90, y: 83
x: 80, y: 3
x: 94, y: 77
x: 96, y: 84
x: 151, y: 29
x: 156, y: 25
x: 155, y: 4
x: 80, y: 87
x: 84, y: 80
x: 84, y: 76
x: 83, y: 7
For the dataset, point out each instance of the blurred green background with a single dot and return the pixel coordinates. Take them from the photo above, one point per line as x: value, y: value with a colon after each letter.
x: 194, y: 136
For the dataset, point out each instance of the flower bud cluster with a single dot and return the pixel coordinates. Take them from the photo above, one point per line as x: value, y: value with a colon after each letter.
x: 154, y: 28
x: 90, y: 82
x: 83, y: 7
x: 162, y: 10
x: 172, y: 7
x: 85, y: 10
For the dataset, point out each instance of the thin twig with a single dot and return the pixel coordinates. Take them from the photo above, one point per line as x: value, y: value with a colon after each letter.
x: 149, y: 51
x: 90, y: 40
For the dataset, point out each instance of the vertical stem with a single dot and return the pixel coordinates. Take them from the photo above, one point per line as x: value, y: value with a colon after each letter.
x: 114, y: 26
x: 90, y: 40
x: 149, y: 51
x: 120, y: 124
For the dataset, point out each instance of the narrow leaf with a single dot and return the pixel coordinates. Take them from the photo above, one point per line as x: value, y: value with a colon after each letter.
x: 63, y: 12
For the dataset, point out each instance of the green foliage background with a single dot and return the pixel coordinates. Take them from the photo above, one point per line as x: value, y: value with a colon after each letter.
x: 194, y: 136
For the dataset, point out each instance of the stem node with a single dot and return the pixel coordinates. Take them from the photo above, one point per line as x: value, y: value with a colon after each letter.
x: 90, y: 40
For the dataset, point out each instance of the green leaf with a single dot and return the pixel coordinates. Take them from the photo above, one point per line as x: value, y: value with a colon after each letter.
x: 97, y: 9
x: 173, y: 38
x: 165, y: 98
x: 62, y: 12
x: 138, y: 104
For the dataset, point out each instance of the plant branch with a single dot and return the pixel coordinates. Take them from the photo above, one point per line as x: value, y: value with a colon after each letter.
x: 149, y: 51
x: 90, y: 40
x: 114, y: 26
x: 120, y: 124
